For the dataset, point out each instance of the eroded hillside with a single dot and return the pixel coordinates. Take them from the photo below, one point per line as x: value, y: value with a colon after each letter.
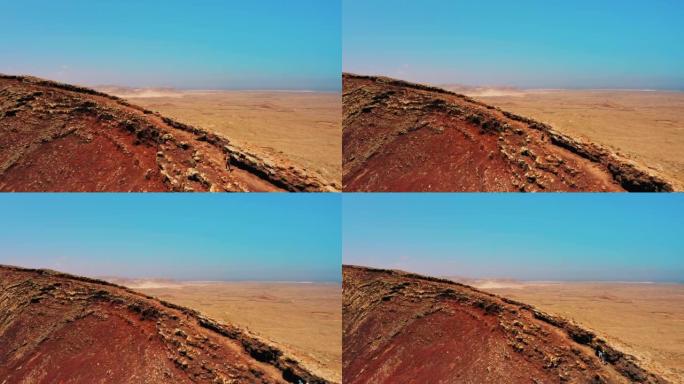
x: 405, y: 328
x: 60, y: 137
x: 58, y: 328
x: 399, y: 136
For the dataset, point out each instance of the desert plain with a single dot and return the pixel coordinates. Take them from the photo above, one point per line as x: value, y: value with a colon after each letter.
x: 304, y: 319
x: 645, y: 126
x: 645, y: 320
x: 304, y: 127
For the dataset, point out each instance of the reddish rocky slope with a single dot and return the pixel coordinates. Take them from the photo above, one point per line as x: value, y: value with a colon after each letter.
x: 57, y: 328
x: 59, y: 137
x: 399, y: 136
x: 405, y: 328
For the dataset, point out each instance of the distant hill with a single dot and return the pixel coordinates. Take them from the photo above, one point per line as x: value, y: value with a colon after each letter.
x: 131, y: 92
x: 482, y: 90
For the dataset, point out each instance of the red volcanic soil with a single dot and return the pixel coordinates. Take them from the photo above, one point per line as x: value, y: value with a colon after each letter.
x: 399, y: 136
x: 57, y: 328
x: 60, y: 137
x: 405, y: 328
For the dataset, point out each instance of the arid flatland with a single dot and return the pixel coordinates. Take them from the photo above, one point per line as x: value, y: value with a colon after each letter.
x: 303, y: 319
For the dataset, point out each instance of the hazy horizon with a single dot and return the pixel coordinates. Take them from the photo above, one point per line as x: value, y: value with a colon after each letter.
x: 522, y: 88
x: 199, y: 281
x: 536, y: 44
x: 481, y: 279
x: 213, y: 44
x: 539, y: 237
x: 191, y: 89
x: 229, y: 237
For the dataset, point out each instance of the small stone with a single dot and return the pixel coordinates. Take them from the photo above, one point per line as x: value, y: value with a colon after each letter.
x: 193, y: 174
x: 182, y: 363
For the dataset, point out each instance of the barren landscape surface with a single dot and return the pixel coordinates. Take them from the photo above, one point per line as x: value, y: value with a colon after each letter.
x: 304, y: 319
x: 645, y: 126
x: 644, y: 320
x: 59, y: 328
x: 400, y: 327
x: 304, y: 127
x: 405, y: 137
x: 58, y: 137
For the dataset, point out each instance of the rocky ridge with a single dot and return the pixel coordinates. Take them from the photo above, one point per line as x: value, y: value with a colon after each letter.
x: 400, y: 136
x: 403, y: 327
x: 52, y: 324
x: 61, y: 137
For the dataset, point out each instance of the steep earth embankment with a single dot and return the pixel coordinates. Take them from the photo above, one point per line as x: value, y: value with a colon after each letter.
x: 58, y: 328
x: 400, y: 136
x: 60, y: 137
x: 400, y: 327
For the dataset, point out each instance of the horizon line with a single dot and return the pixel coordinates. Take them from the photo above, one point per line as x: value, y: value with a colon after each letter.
x: 337, y: 89
x: 453, y: 277
x: 520, y: 88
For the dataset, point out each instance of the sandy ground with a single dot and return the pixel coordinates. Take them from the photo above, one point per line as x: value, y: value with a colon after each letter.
x: 644, y: 320
x: 645, y: 126
x: 304, y: 319
x: 305, y: 127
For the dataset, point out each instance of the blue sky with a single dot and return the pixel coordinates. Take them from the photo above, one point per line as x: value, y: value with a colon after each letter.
x: 529, y: 44
x: 530, y: 237
x: 191, y: 237
x: 255, y: 44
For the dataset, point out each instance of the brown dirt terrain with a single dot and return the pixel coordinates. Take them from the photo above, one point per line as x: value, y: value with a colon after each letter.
x: 303, y: 320
x: 303, y: 127
x: 60, y: 137
x: 399, y: 136
x: 57, y: 328
x: 644, y: 320
x: 645, y: 126
x: 400, y: 327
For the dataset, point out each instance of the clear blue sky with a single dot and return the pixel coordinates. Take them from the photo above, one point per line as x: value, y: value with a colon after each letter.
x: 529, y: 44
x: 190, y: 237
x: 529, y: 237
x: 256, y: 44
